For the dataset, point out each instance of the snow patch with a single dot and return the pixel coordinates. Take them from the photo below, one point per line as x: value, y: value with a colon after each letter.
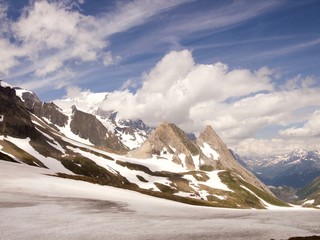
x: 309, y: 202
x: 196, y: 161
x: 49, y: 162
x: 220, y: 197
x: 20, y: 92
x: 215, y: 181
x: 129, y: 174
x: 209, y: 152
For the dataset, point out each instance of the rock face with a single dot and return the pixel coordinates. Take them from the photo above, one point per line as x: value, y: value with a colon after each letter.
x: 167, y: 140
x: 226, y: 160
x: 42, y: 109
x: 131, y: 132
x: 207, y: 152
x: 16, y: 120
x: 87, y: 126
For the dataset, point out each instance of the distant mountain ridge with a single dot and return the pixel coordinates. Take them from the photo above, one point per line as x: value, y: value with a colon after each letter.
x: 163, y: 162
x: 295, y: 169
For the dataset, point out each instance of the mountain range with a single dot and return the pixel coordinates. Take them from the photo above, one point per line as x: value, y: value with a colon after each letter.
x: 78, y: 140
x: 295, y: 169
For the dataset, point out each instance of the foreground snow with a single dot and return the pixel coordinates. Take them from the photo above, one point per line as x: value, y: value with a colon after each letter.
x: 38, y: 206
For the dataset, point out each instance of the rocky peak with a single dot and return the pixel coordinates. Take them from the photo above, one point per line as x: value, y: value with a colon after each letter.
x: 212, y: 138
x: 29, y: 98
x: 16, y: 121
x: 42, y: 109
x: 169, y: 141
x: 226, y: 160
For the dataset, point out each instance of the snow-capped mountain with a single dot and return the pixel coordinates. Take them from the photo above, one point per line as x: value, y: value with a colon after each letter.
x: 295, y: 169
x: 131, y: 132
x: 80, y: 145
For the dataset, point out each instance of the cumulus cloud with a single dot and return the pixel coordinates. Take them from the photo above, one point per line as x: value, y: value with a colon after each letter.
x: 309, y: 129
x: 181, y: 91
x: 130, y: 83
x: 238, y: 103
x: 51, y: 27
x: 299, y: 82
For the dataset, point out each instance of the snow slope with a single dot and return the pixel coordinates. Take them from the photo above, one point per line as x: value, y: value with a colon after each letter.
x: 38, y: 206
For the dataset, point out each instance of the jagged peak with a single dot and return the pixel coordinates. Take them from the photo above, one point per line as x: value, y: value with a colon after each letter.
x: 211, y: 137
x: 169, y: 132
x: 168, y: 137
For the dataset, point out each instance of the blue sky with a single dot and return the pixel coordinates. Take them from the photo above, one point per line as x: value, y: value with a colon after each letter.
x: 123, y: 47
x: 284, y: 35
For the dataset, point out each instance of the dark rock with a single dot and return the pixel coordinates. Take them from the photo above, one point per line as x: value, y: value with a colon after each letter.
x: 47, y: 110
x: 16, y: 118
x: 87, y: 126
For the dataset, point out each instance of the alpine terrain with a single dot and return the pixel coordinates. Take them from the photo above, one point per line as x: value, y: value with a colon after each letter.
x: 76, y: 139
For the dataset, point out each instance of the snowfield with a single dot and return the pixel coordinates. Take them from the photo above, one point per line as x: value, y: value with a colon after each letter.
x: 34, y: 205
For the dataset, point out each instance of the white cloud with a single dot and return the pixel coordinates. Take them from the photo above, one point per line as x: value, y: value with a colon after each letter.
x: 108, y: 59
x: 128, y: 84
x: 178, y: 90
x: 274, y: 146
x: 51, y: 34
x: 51, y: 66
x: 309, y: 129
x: 238, y: 103
x: 50, y: 27
x: 74, y: 91
x: 299, y: 82
x: 60, y: 80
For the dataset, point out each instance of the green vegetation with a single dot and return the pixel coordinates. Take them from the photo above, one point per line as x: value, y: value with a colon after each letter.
x: 199, y: 176
x: 165, y: 189
x: 242, y: 197
x: 20, y: 154
x: 265, y: 196
x: 310, y: 189
x: 92, y: 172
x: 207, y: 168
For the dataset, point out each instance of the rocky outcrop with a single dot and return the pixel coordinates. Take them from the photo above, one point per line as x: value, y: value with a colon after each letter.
x: 167, y: 140
x: 51, y: 112
x: 16, y: 120
x: 226, y: 160
x: 208, y: 152
x: 87, y: 126
x: 42, y: 109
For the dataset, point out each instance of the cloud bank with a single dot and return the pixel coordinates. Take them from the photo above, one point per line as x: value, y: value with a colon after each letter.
x: 239, y: 103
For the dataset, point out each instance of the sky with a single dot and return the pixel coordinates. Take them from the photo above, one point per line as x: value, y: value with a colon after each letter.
x: 250, y: 69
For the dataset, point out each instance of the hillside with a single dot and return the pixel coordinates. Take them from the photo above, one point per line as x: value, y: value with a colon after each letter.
x: 310, y: 194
